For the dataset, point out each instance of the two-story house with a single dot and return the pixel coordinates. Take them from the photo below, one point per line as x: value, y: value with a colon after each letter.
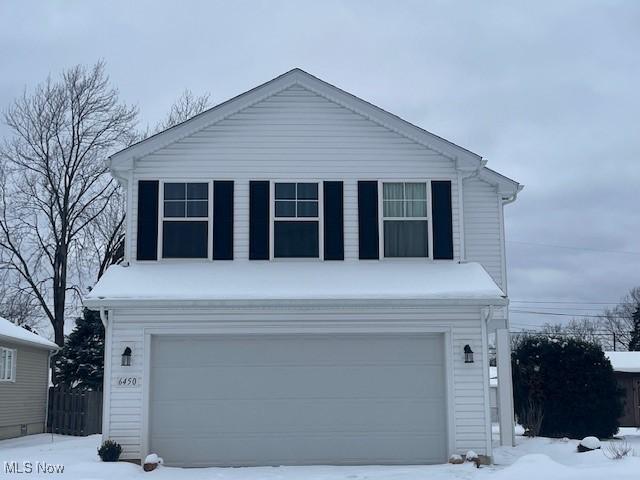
x: 308, y: 279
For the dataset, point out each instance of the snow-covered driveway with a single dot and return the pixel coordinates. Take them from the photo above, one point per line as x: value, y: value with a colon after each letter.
x: 538, y: 458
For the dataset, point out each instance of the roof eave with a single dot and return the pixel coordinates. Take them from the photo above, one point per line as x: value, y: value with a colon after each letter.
x: 359, y: 303
x: 20, y: 341
x: 507, y: 188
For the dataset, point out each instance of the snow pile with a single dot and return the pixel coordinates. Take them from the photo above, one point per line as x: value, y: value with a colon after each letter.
x: 536, y: 466
x: 590, y: 443
x: 18, y: 334
x: 153, y: 458
x: 533, y: 459
x: 295, y: 281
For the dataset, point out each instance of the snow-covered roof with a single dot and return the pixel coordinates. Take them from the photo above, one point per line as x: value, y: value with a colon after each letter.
x: 240, y: 281
x: 624, y: 361
x: 18, y: 334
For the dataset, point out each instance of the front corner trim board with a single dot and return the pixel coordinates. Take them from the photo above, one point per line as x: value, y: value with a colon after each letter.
x: 308, y: 279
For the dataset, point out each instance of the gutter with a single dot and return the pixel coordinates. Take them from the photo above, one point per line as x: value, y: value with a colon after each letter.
x: 512, y: 198
x: 101, y: 304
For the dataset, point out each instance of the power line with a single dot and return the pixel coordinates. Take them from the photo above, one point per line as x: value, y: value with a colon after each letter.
x: 560, y: 308
x: 569, y: 247
x: 565, y: 302
x: 533, y: 312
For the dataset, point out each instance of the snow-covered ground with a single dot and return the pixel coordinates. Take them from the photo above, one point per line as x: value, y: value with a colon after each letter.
x: 538, y: 458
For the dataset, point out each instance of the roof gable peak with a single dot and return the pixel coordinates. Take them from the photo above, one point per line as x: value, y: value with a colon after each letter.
x: 123, y: 159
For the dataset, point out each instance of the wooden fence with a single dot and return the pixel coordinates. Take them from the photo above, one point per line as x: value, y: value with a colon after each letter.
x: 74, y: 412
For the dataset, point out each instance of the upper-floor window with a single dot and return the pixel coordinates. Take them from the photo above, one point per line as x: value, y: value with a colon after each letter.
x: 185, y: 220
x: 405, y: 219
x: 296, y: 226
x: 7, y: 365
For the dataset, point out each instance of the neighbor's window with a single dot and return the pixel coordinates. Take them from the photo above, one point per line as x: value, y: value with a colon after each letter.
x: 185, y: 220
x: 405, y: 219
x: 297, y: 222
x: 7, y: 365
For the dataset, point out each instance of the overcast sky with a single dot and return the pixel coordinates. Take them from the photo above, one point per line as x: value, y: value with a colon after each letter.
x: 547, y: 92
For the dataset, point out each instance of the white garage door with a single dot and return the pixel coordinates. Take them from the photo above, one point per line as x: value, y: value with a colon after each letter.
x: 298, y: 399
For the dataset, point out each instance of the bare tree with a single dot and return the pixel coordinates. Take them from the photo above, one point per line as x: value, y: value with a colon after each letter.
x: 618, y: 321
x: 53, y: 178
x: 17, y: 304
x: 103, y: 239
x: 186, y: 106
x: 106, y: 234
x: 585, y: 329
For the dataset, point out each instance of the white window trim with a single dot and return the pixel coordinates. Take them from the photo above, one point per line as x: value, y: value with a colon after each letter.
x: 162, y: 219
x: 382, y: 218
x: 14, y: 356
x: 273, y: 219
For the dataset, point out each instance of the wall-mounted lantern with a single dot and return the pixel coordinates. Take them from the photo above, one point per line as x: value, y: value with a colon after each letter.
x: 468, y: 354
x: 126, y: 357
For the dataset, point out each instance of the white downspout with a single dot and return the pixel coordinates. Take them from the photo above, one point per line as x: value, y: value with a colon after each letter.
x: 486, y: 316
x: 104, y: 318
x: 106, y: 378
x: 46, y: 398
x: 463, y: 254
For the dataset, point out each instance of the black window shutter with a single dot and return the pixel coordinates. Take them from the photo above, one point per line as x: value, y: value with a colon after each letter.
x: 442, y: 220
x: 333, y: 221
x: 259, y: 220
x: 223, y: 220
x: 368, y: 220
x: 147, y: 242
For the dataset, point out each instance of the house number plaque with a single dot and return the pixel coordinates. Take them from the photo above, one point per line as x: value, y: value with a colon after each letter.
x: 128, y: 381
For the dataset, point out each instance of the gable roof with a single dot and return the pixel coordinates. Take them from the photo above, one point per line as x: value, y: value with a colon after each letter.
x: 464, y: 159
x: 12, y: 332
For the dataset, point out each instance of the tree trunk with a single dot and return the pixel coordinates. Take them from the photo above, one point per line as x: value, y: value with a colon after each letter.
x: 59, y: 293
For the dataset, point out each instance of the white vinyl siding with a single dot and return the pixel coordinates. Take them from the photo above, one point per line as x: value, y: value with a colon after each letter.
x: 124, y: 406
x: 23, y: 401
x: 482, y: 219
x: 295, y: 135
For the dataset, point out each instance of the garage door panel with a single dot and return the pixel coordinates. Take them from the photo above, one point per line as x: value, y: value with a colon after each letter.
x: 240, y: 350
x: 300, y: 381
x: 314, y: 450
x: 298, y: 399
x: 303, y: 416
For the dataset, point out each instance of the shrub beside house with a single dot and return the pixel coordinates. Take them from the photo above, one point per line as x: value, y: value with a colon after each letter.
x: 564, y: 387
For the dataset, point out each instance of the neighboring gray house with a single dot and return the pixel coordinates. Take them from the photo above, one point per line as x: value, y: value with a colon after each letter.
x: 24, y: 380
x: 308, y: 279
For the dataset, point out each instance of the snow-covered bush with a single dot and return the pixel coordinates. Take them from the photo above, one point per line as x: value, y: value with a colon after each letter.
x: 455, y: 459
x: 618, y: 449
x: 588, y: 444
x: 109, y: 451
x: 571, y: 382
